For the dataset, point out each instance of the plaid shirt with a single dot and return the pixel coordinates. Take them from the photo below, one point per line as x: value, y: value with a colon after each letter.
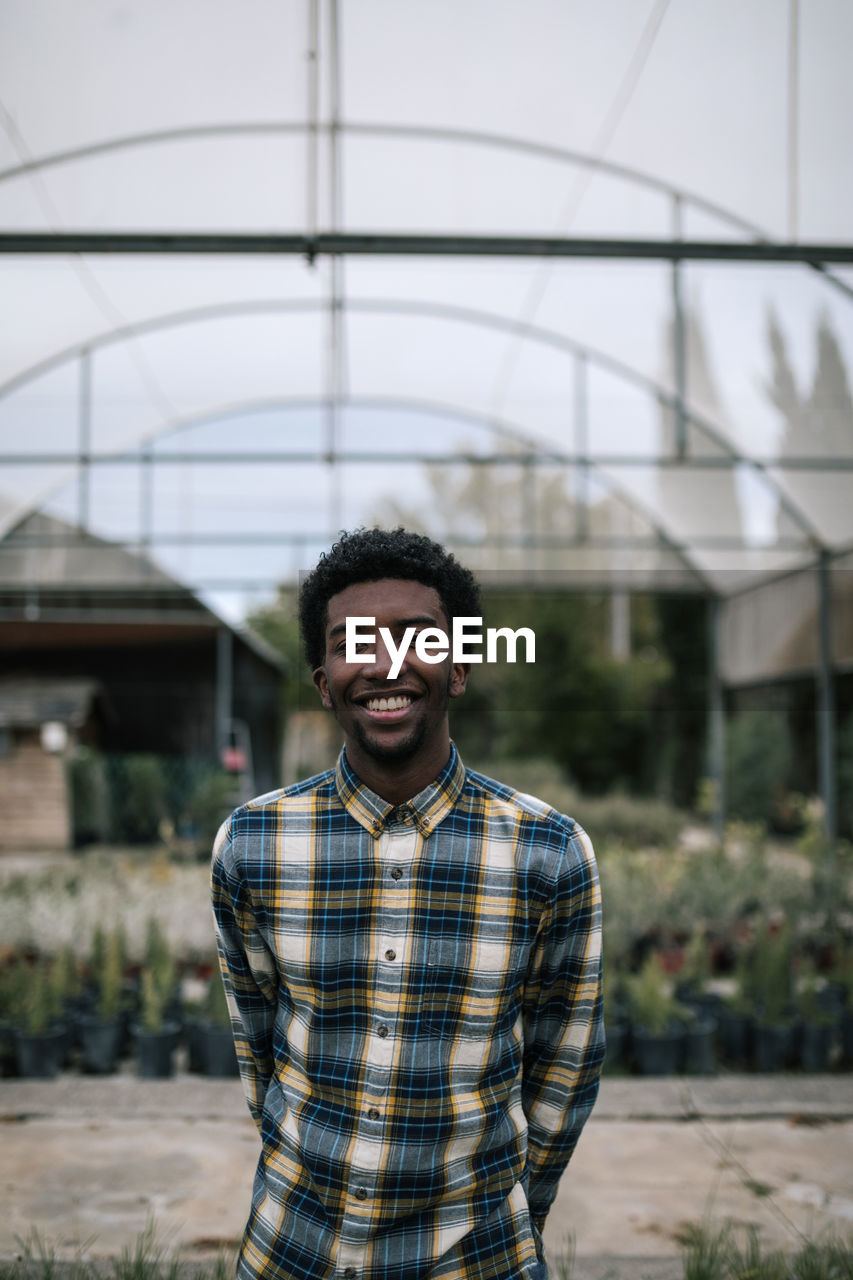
x: 415, y: 996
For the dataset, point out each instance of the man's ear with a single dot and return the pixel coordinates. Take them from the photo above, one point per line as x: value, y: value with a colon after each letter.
x: 459, y: 674
x: 319, y: 678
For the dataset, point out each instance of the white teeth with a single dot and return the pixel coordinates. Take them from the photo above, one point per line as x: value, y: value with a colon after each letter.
x: 389, y: 704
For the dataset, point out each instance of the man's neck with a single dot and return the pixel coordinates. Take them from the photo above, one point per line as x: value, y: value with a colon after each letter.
x: 395, y: 781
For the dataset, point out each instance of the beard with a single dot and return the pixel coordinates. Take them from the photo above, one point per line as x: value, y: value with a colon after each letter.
x: 401, y: 751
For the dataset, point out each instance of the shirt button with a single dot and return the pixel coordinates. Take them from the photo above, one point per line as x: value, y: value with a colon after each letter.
x: 373, y: 1114
x: 390, y: 954
x: 382, y: 1032
x: 361, y: 1194
x: 396, y: 874
x: 350, y: 1273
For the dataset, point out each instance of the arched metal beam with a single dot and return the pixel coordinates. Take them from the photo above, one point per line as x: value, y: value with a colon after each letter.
x: 441, y: 311
x: 431, y: 133
x: 534, y: 451
x: 428, y: 133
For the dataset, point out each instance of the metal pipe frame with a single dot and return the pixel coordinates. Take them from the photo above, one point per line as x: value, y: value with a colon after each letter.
x: 380, y: 244
x: 826, y: 735
x: 143, y: 454
x: 541, y: 542
x: 463, y: 315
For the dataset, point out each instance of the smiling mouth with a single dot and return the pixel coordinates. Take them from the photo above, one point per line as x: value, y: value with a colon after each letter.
x: 397, y: 702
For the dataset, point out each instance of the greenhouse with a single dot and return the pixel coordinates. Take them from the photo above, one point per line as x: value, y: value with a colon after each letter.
x: 569, y: 288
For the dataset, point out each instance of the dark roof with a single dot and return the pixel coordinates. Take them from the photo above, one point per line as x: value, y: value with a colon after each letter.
x: 26, y: 702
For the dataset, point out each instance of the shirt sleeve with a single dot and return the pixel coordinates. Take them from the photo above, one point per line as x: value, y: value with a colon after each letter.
x: 248, y: 971
x: 563, y: 1026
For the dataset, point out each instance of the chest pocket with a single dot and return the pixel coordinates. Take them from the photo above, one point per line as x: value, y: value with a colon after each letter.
x: 472, y: 988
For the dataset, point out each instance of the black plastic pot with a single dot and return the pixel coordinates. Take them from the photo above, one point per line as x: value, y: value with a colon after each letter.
x: 193, y: 1032
x: 657, y: 1054
x: 773, y: 1046
x: 700, y: 1047
x: 846, y: 1036
x: 155, y: 1051
x: 8, y: 1061
x: 616, y: 1055
x: 99, y: 1041
x: 734, y: 1038
x: 218, y: 1055
x: 39, y: 1055
x: 816, y: 1043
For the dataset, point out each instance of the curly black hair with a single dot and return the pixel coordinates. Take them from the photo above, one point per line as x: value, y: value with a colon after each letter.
x: 368, y: 555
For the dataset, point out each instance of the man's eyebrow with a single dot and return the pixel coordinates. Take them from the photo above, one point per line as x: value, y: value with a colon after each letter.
x: 416, y: 621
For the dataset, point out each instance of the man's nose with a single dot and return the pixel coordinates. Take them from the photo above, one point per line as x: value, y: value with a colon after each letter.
x: 385, y: 660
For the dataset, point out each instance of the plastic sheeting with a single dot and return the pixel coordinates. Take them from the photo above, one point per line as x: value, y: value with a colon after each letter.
x: 608, y: 421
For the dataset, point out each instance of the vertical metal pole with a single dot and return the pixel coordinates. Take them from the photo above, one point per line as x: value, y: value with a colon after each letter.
x: 716, y: 719
x: 335, y: 373
x: 84, y: 437
x: 224, y: 686
x: 528, y: 505
x: 581, y: 447
x: 312, y: 168
x: 793, y: 117
x: 679, y: 342
x: 620, y: 624
x: 146, y: 499
x: 826, y: 701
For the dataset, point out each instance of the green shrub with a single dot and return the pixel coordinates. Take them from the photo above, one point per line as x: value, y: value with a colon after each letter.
x: 159, y: 961
x: 758, y: 759
x: 87, y: 784
x: 110, y: 978
x: 770, y: 974
x: 845, y: 777
x: 211, y: 799
x: 630, y: 822
x: 216, y: 1006
x: 153, y: 1002
x: 651, y: 1003
x: 137, y: 797
x: 35, y: 1006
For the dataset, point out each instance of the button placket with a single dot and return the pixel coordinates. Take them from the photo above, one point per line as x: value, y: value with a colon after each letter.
x: 396, y: 844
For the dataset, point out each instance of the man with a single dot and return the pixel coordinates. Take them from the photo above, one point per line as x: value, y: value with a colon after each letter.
x: 411, y: 955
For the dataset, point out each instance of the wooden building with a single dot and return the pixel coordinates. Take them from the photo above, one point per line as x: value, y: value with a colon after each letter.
x: 98, y: 647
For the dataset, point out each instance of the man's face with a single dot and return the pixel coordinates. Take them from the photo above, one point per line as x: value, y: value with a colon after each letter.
x: 415, y: 724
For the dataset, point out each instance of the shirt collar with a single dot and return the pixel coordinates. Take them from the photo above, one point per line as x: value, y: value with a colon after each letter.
x: 427, y: 809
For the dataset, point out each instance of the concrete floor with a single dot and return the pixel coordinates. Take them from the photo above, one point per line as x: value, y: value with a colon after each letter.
x: 88, y: 1163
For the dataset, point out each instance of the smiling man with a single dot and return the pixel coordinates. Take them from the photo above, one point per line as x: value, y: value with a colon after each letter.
x: 411, y: 953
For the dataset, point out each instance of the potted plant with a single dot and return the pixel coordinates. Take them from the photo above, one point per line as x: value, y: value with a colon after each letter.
x: 160, y: 961
x: 616, y: 1026
x: 657, y: 1027
x: 39, y: 1037
x: 735, y: 1017
x: 700, y: 1007
x: 818, y: 1021
x: 841, y: 978
x: 156, y: 1035
x: 101, y: 1029
x: 218, y: 1055
x: 770, y: 966
x: 9, y: 984
x: 192, y: 1024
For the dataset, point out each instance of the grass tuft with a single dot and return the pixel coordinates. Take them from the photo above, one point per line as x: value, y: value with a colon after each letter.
x: 725, y: 1253
x: 146, y: 1259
